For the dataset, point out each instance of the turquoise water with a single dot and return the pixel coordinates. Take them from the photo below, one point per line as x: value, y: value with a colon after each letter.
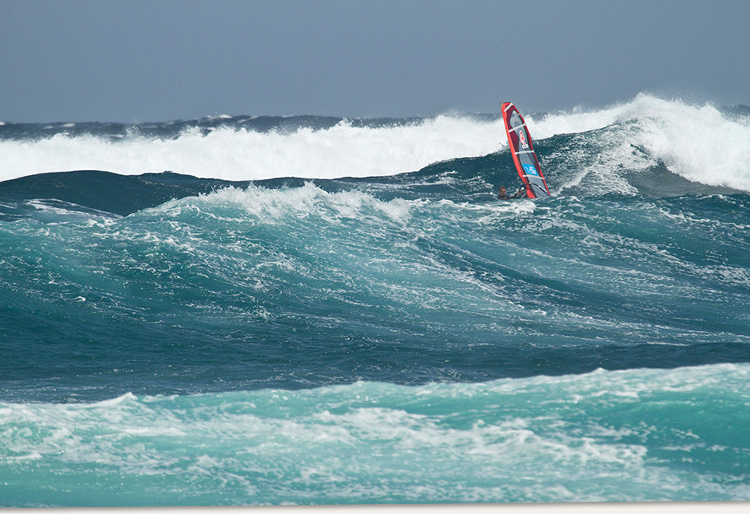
x: 183, y: 339
x: 603, y: 436
x: 651, y: 435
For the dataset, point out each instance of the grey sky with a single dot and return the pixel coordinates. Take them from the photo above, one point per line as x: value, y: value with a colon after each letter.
x: 136, y: 60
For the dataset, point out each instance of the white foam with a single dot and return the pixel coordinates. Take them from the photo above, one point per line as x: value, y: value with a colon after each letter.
x: 474, y: 441
x: 273, y: 205
x: 697, y: 142
x: 239, y: 154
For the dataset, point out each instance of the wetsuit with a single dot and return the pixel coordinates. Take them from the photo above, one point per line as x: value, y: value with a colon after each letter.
x: 520, y: 194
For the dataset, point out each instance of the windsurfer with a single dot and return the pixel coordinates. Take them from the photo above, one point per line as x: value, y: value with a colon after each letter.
x: 503, y: 195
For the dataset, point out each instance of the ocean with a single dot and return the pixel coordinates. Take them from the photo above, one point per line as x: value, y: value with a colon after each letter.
x: 243, y: 310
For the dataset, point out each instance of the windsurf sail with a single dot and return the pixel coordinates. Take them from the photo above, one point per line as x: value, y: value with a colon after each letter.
x: 523, y: 153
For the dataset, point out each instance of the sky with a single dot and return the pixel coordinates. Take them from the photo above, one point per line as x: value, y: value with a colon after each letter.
x: 159, y: 60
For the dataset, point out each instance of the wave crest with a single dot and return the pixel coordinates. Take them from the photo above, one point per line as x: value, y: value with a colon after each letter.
x: 598, y: 150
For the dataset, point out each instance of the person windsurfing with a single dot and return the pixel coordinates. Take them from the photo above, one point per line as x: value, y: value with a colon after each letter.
x: 503, y: 195
x: 522, y: 151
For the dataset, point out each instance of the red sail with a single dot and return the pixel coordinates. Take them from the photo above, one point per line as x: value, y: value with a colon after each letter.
x: 522, y: 150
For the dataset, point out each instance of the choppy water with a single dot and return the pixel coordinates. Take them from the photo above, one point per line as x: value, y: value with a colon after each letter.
x: 379, y: 329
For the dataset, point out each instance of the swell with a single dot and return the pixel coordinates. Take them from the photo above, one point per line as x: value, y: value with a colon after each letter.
x: 398, y: 338
x: 619, y: 149
x: 637, y: 435
x: 233, y: 151
x: 299, y: 286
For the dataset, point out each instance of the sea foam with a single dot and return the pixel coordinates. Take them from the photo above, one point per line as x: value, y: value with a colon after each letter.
x: 701, y: 143
x: 232, y: 153
x: 601, y: 436
x: 697, y: 142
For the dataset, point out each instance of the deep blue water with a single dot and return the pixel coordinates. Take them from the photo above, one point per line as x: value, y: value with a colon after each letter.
x: 406, y: 338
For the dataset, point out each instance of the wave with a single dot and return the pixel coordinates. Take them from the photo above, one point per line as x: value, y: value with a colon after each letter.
x: 238, y: 153
x: 601, y: 151
x: 312, y: 284
x: 635, y: 435
x: 399, y: 336
x: 609, y: 148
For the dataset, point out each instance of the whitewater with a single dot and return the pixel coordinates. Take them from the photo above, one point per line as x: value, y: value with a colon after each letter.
x: 254, y: 310
x: 233, y: 148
